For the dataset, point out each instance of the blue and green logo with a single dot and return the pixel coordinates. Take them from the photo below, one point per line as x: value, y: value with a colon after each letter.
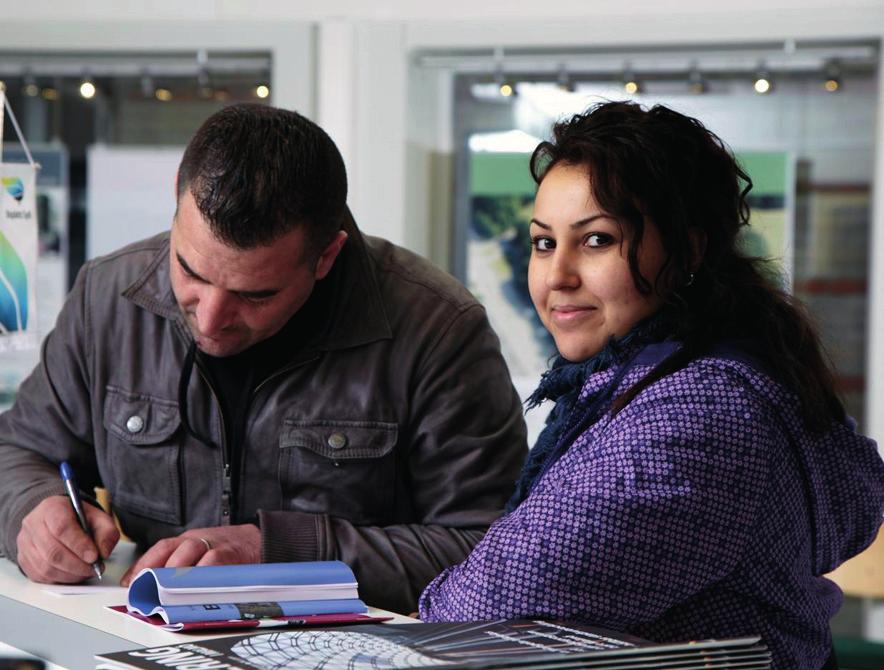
x: 13, y: 288
x: 14, y: 187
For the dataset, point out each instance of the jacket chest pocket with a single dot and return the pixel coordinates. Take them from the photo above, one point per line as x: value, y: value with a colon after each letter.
x: 142, y: 454
x: 341, y: 468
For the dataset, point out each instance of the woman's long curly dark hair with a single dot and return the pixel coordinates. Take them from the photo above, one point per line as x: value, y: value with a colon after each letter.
x: 663, y: 167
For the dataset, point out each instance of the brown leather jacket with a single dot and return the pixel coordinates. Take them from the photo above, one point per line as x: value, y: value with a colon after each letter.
x: 390, y: 441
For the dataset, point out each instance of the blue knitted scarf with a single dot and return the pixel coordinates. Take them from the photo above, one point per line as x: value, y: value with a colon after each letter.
x: 562, y: 384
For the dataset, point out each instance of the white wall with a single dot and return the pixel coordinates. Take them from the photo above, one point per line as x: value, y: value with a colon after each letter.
x: 130, y: 195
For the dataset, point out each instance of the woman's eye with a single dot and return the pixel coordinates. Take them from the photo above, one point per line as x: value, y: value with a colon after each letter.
x: 597, y: 240
x: 543, y: 243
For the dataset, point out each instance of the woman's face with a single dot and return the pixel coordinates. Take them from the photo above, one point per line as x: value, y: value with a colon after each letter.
x: 578, y: 275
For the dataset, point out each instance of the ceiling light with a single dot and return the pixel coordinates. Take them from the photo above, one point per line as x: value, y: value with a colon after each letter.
x: 832, y: 82
x: 631, y: 83
x: 147, y: 88
x: 162, y: 94
x: 30, y: 88
x: 696, y: 81
x: 87, y: 88
x: 763, y: 81
x: 563, y: 80
x: 262, y: 91
x: 203, y: 83
x: 506, y: 88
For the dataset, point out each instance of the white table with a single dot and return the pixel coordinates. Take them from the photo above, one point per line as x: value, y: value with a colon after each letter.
x: 69, y: 630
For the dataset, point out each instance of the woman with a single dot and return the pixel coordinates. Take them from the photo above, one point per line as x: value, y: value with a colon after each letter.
x: 697, y: 475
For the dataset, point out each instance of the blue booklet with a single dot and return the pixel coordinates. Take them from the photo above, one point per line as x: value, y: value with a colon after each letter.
x: 252, y: 591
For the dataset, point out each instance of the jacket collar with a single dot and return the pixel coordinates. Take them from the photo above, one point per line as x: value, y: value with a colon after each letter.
x: 356, y: 313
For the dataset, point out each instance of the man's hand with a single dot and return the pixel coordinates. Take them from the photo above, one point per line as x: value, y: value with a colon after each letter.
x: 222, y: 545
x: 53, y: 549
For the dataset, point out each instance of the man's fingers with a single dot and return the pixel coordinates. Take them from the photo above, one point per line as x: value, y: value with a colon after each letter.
x: 188, y: 553
x: 155, y: 557
x: 38, y: 569
x: 56, y: 541
x: 104, y: 529
x: 225, y: 545
x: 66, y: 530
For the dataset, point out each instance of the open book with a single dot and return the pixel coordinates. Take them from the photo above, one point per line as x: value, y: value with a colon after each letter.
x: 482, y: 644
x: 238, y: 592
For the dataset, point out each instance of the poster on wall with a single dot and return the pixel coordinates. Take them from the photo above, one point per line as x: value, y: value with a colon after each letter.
x: 770, y: 234
x: 18, y: 256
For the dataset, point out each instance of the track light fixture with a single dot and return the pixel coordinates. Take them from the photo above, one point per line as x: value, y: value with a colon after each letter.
x: 563, y: 80
x: 203, y: 83
x: 506, y: 88
x: 30, y: 88
x: 832, y: 82
x: 146, y: 85
x: 631, y: 84
x: 87, y: 88
x: 696, y: 81
x: 763, y: 81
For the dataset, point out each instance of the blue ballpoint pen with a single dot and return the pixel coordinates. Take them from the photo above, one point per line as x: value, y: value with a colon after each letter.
x: 70, y: 485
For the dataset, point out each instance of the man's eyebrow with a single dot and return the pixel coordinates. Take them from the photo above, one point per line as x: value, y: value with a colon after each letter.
x: 265, y: 293
x: 187, y: 268
x: 576, y: 224
x: 255, y: 295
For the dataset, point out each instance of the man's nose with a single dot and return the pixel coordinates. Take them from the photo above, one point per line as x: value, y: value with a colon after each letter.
x: 213, y: 312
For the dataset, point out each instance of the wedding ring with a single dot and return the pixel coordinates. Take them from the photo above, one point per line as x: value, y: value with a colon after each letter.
x: 205, y: 542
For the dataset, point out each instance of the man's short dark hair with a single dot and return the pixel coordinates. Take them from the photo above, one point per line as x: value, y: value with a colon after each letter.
x: 257, y: 172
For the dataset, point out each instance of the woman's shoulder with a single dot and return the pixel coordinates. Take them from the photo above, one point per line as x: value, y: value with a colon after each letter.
x: 726, y: 379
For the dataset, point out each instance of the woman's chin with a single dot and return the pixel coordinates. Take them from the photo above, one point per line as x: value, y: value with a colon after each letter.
x: 577, y: 352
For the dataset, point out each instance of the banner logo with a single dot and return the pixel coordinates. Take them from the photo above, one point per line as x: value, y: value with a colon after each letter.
x: 14, y: 187
x: 13, y: 288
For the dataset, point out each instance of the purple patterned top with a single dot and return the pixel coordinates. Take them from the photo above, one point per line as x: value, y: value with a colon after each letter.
x: 686, y: 516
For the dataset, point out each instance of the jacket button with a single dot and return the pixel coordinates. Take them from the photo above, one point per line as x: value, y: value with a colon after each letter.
x: 134, y: 424
x: 337, y: 440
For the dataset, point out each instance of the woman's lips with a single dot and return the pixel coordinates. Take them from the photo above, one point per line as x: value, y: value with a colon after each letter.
x: 568, y: 314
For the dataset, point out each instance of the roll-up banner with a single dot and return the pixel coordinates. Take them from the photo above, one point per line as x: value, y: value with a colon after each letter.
x: 18, y: 253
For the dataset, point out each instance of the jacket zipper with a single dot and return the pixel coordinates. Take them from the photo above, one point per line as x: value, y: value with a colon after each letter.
x: 226, y: 480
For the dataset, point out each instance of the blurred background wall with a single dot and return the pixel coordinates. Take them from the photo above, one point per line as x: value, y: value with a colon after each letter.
x: 406, y: 87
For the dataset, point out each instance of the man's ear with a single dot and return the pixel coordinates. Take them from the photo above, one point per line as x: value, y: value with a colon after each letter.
x: 327, y: 257
x: 697, y: 239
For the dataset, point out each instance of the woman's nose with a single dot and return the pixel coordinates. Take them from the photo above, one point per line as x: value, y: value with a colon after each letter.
x: 562, y: 272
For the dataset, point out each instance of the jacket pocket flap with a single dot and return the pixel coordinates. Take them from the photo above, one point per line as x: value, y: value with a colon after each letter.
x: 137, y: 418
x: 340, y: 440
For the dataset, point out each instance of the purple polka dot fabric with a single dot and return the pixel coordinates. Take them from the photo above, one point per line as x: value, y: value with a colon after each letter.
x: 704, y: 509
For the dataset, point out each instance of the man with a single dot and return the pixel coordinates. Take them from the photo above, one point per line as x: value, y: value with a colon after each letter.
x: 264, y: 383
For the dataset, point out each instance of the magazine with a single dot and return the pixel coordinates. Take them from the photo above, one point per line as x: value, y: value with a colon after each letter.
x: 486, y: 644
x: 252, y: 591
x: 282, y: 621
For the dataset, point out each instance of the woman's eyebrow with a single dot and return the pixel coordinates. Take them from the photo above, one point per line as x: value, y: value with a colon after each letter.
x: 576, y: 224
